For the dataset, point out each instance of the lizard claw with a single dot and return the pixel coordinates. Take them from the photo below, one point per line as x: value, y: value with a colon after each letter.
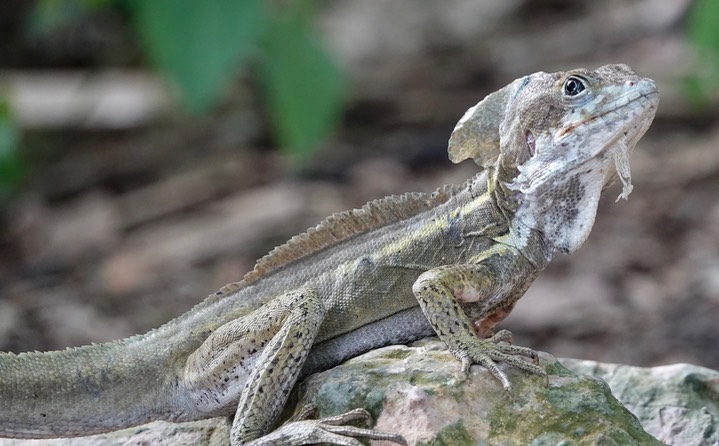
x: 486, y: 352
x: 502, y: 335
x: 330, y: 430
x: 307, y: 412
x: 505, y: 336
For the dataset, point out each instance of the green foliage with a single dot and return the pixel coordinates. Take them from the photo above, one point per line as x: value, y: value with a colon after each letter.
x: 12, y: 169
x: 703, y: 33
x: 201, y: 46
x: 304, y: 87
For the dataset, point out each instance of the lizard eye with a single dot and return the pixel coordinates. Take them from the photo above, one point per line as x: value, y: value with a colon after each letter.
x: 573, y: 86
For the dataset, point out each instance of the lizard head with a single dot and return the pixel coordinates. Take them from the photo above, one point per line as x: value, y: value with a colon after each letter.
x: 551, y: 138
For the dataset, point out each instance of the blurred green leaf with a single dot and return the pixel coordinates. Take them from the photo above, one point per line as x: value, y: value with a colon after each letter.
x: 12, y: 169
x: 199, y: 44
x: 305, y: 90
x: 703, y: 33
x: 694, y: 90
x: 703, y: 25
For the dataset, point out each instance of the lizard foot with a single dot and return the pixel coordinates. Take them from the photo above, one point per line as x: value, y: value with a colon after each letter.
x: 486, y: 352
x: 331, y: 430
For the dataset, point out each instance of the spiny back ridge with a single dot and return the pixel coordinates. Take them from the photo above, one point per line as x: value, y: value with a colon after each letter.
x: 344, y: 225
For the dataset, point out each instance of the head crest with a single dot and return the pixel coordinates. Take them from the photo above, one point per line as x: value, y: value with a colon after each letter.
x: 476, y: 135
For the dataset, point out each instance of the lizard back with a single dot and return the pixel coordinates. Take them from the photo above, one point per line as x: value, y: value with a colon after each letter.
x: 347, y: 224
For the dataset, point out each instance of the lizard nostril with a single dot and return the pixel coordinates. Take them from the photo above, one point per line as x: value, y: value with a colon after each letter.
x: 630, y: 83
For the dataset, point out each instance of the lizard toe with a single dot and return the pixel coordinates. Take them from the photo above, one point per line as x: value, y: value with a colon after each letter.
x: 488, y: 352
x: 330, y: 430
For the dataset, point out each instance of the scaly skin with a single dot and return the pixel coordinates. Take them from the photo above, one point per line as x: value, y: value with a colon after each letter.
x: 454, y: 262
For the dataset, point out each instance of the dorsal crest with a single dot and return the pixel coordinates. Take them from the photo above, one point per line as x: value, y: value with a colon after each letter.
x: 347, y: 224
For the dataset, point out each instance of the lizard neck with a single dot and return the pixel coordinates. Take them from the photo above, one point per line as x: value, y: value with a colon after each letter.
x: 563, y: 210
x: 527, y: 239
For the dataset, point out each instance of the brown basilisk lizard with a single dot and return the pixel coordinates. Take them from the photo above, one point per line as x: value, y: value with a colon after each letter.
x: 453, y: 263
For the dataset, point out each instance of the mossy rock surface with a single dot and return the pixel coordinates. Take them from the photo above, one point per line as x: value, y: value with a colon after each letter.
x: 419, y: 392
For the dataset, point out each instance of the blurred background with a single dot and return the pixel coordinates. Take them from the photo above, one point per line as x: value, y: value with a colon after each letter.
x: 151, y: 151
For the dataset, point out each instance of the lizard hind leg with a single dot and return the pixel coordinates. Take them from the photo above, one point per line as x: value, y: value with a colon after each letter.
x: 256, y: 359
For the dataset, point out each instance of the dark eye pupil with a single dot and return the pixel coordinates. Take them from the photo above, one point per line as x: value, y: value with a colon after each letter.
x: 573, y: 86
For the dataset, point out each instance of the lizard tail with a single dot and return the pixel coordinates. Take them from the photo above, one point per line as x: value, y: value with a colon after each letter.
x: 88, y: 390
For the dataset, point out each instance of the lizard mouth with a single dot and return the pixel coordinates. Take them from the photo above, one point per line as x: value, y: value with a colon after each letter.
x: 624, y: 145
x: 626, y: 119
x: 645, y: 89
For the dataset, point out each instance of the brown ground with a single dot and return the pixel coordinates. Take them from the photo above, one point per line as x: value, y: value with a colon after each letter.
x: 120, y: 230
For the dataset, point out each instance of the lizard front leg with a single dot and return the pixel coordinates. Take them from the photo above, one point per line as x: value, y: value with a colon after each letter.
x: 442, y: 291
x: 256, y: 359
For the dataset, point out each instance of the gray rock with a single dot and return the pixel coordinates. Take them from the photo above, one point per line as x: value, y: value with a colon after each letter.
x: 419, y: 392
x: 678, y: 404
